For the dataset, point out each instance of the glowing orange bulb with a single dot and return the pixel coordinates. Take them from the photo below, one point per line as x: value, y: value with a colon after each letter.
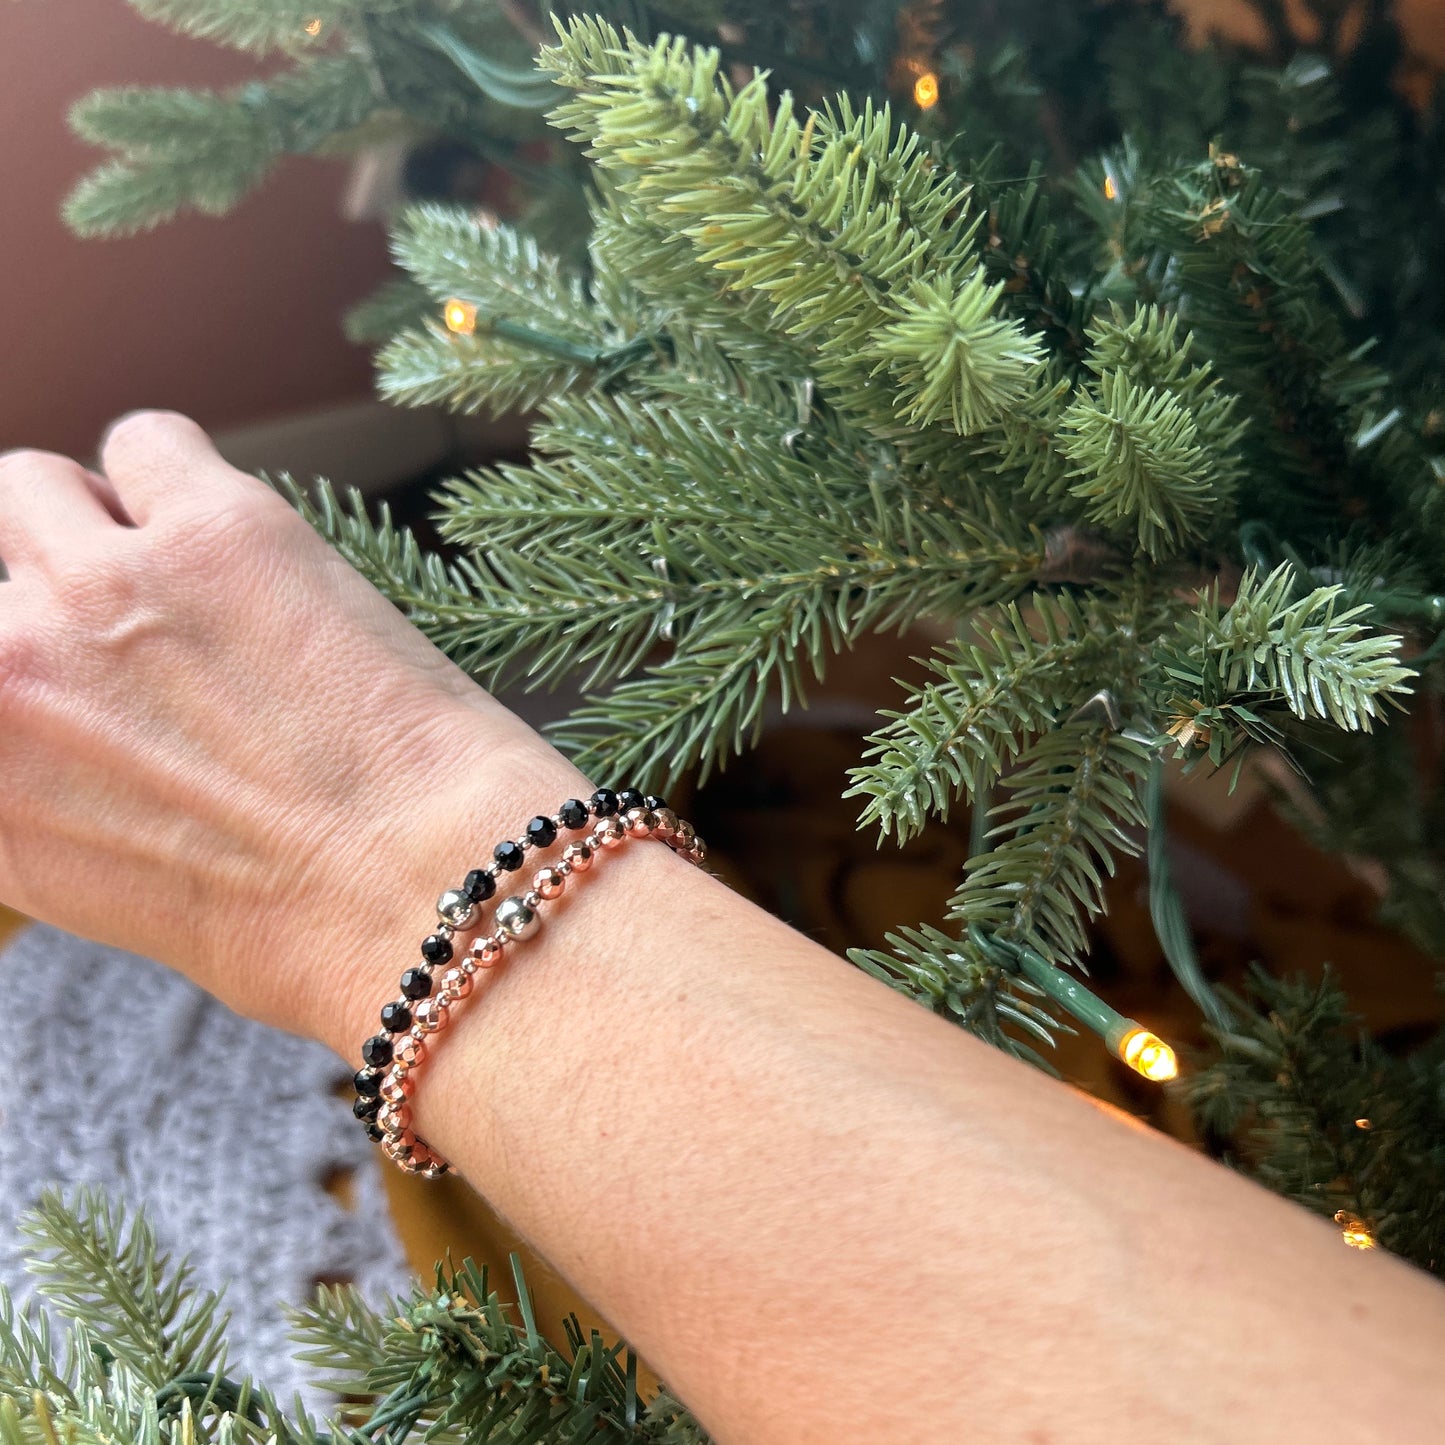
x: 1362, y: 1123
x: 461, y: 317
x: 1353, y: 1230
x: 1149, y: 1055
x: 925, y: 90
x: 313, y: 27
x: 1111, y: 190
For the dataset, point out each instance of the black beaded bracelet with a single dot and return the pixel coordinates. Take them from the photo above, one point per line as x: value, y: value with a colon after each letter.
x: 385, y: 1084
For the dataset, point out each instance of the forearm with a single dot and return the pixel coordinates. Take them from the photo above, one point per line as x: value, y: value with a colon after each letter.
x: 823, y: 1214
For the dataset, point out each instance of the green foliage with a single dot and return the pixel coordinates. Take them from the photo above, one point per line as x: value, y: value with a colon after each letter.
x: 1283, y: 1093
x: 857, y: 244
x: 259, y: 25
x: 1071, y: 798
x: 797, y: 400
x: 1024, y: 672
x: 1320, y: 661
x: 361, y: 71
x: 1075, y: 369
x: 205, y: 150
x: 1136, y: 453
x: 142, y: 1363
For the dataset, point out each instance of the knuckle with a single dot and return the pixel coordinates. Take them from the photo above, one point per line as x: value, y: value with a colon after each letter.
x: 148, y: 421
x: 144, y: 429
x: 28, y: 466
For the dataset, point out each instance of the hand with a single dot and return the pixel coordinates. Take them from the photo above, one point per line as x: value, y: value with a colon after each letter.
x: 220, y: 746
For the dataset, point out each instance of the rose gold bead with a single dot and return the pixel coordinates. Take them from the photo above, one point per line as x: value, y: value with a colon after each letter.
x: 489, y: 953
x: 468, y: 966
x: 666, y: 822
x: 431, y: 1014
x: 636, y: 822
x: 698, y: 852
x: 396, y: 1087
x: 578, y: 856
x: 548, y: 883
x: 393, y: 1117
x: 608, y: 833
x: 685, y: 834
x: 409, y: 1050
x: 457, y: 982
x: 407, y: 1140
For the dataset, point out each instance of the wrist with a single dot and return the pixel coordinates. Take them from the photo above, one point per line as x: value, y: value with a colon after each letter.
x: 358, y: 919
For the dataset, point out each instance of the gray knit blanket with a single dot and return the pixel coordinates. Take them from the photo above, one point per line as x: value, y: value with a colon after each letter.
x: 223, y: 1130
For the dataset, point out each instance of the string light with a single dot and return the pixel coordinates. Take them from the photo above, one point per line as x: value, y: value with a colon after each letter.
x: 1353, y: 1230
x: 313, y: 27
x: 1111, y: 188
x: 925, y: 90
x: 1145, y: 1052
x: 1362, y: 1123
x: 1148, y: 1054
x: 460, y: 316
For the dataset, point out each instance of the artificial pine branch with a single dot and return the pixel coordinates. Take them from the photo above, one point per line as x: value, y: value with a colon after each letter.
x: 206, y: 150
x: 143, y: 1364
x: 1320, y: 661
x: 1071, y: 802
x: 839, y: 220
x: 991, y: 696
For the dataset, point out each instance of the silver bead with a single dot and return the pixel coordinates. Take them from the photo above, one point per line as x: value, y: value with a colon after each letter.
x: 516, y: 917
x: 455, y: 908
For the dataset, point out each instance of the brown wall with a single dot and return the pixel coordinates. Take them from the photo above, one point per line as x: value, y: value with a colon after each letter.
x: 231, y: 320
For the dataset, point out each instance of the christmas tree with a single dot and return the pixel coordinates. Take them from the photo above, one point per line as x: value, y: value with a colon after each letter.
x: 1080, y: 347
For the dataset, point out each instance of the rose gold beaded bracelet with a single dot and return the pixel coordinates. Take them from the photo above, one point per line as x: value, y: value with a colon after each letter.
x: 385, y: 1085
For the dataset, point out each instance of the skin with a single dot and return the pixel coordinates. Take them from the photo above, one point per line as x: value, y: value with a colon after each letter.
x: 820, y: 1212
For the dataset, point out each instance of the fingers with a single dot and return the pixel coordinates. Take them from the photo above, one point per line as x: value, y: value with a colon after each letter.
x: 45, y: 500
x: 154, y: 459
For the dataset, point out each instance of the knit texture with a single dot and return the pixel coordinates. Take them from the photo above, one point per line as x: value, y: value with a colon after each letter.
x: 224, y: 1130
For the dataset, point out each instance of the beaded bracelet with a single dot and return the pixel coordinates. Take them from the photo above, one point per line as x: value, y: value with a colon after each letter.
x: 385, y: 1085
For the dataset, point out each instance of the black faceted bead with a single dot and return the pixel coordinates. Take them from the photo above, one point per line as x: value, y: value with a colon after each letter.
x: 374, y: 1132
x: 480, y: 885
x: 366, y: 1108
x: 395, y: 1018
x: 509, y: 856
x: 377, y: 1051
x: 628, y: 799
x: 654, y: 802
x: 367, y: 1082
x: 604, y: 802
x: 435, y: 948
x: 542, y: 831
x: 416, y: 983
x: 573, y: 813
